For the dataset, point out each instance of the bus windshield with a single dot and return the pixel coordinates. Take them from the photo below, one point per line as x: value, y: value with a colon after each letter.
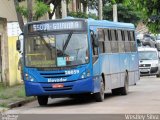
x: 148, y: 55
x: 56, y: 50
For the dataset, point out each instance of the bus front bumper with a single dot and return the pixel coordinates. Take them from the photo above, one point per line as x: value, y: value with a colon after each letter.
x: 75, y: 87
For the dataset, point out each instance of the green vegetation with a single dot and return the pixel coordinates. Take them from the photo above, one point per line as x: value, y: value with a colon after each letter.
x: 82, y: 15
x: 39, y: 10
x: 125, y: 13
x: 13, y: 94
x: 151, y: 12
x: 3, y: 104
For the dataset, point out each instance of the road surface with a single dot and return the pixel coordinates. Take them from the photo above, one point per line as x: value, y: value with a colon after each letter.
x: 142, y: 98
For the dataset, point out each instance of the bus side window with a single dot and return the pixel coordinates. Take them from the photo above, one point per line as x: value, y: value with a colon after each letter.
x: 94, y: 48
x: 114, y: 43
x: 127, y: 42
x: 133, y: 42
x: 101, y: 40
x: 107, y: 41
x: 120, y: 41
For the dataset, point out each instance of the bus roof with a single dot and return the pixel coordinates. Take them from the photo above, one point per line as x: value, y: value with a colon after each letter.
x: 93, y: 22
x: 110, y: 24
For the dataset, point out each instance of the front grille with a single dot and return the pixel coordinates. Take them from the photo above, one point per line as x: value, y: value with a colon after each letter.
x: 54, y: 75
x: 145, y: 65
x: 144, y: 72
x: 49, y: 88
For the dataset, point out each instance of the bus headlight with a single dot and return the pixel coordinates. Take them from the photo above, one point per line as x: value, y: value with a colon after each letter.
x: 85, y: 74
x: 28, y: 77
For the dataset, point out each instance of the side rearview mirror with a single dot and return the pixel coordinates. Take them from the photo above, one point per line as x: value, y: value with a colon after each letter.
x: 96, y: 43
x: 94, y: 39
x: 18, y: 43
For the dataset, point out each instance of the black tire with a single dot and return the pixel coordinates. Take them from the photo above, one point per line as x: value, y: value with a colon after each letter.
x: 158, y: 75
x: 42, y: 100
x: 116, y: 91
x: 99, y: 97
x: 124, y: 90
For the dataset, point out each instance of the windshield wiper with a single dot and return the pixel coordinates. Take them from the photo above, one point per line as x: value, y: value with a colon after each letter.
x: 67, y: 42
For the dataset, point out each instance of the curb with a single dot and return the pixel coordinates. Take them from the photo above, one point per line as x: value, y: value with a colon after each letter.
x: 20, y: 103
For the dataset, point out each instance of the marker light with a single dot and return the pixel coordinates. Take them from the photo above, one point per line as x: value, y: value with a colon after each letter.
x: 85, y: 74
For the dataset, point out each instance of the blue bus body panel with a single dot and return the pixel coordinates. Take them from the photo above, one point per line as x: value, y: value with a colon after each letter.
x: 73, y: 84
x: 76, y: 87
x: 109, y: 64
x: 114, y: 65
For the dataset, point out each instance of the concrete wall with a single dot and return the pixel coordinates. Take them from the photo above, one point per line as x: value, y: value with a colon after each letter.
x: 8, y: 10
x: 13, y: 56
x: 4, y: 50
x: 14, y: 73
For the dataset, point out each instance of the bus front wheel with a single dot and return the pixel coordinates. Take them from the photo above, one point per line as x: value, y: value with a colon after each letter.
x: 100, y: 95
x: 42, y: 100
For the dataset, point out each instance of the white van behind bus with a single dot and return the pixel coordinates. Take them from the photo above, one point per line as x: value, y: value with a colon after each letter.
x: 149, y: 63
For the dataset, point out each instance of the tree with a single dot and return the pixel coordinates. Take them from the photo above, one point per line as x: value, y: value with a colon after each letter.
x: 125, y: 13
x: 39, y: 9
x: 82, y: 15
x: 33, y: 13
x: 151, y: 12
x: 19, y: 16
x: 55, y: 3
x: 96, y: 4
x: 85, y: 5
x: 93, y: 4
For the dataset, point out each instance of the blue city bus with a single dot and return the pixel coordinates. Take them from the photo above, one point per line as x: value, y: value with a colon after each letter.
x: 70, y: 57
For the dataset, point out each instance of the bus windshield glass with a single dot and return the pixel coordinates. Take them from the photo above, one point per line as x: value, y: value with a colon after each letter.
x: 57, y: 50
x: 148, y: 55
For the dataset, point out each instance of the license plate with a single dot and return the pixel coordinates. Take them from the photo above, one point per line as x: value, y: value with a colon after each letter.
x: 144, y: 70
x: 57, y: 85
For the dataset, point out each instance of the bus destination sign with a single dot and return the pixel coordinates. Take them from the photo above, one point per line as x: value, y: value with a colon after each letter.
x: 56, y: 26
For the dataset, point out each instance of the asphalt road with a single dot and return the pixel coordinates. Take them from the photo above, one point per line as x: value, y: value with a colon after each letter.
x: 142, y: 98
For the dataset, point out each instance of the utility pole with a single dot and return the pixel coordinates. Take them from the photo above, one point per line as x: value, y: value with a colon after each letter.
x: 100, y: 14
x: 115, y: 16
x: 74, y: 6
x: 64, y: 8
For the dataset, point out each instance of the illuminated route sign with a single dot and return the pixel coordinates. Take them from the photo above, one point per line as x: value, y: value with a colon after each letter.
x: 56, y: 26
